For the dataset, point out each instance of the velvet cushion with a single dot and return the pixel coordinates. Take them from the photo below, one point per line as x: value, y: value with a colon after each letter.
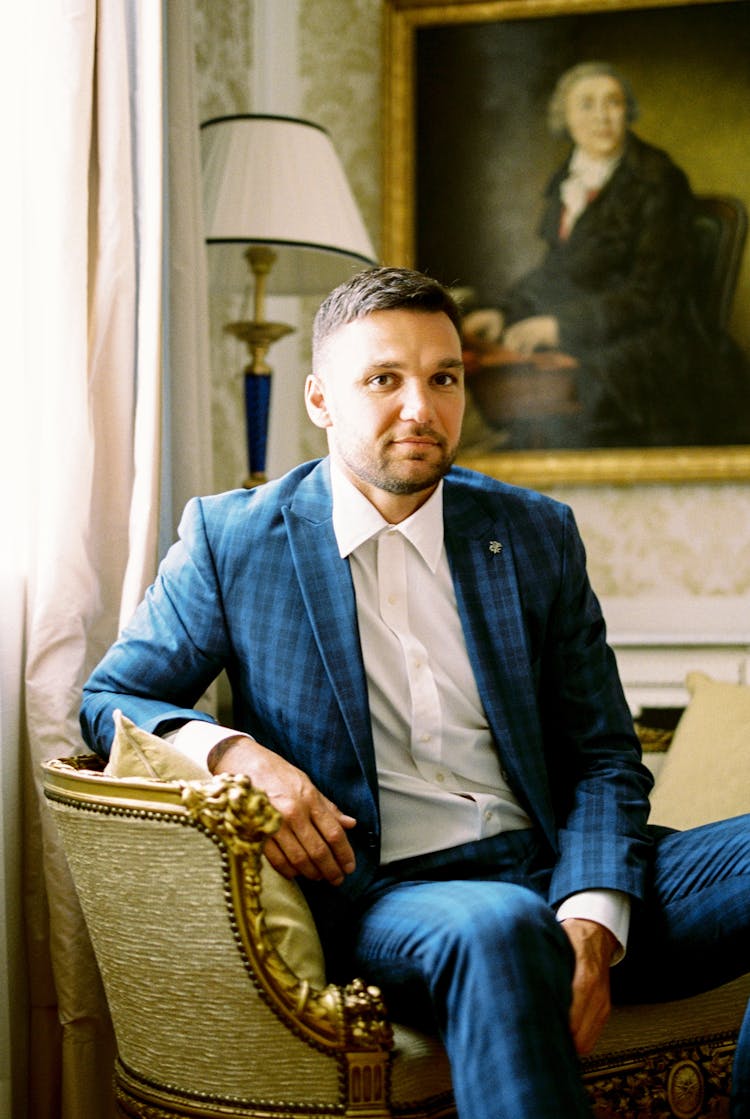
x: 706, y: 772
x: 137, y: 753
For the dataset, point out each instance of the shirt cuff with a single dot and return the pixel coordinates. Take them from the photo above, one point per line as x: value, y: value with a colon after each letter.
x: 610, y: 908
x: 197, y: 739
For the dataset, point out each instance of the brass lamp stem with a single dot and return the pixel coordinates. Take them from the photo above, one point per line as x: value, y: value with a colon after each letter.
x: 259, y: 335
x: 261, y: 260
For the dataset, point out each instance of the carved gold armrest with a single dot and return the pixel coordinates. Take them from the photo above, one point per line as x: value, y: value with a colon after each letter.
x: 240, y: 818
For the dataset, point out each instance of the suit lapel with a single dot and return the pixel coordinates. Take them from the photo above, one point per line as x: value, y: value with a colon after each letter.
x: 480, y: 552
x: 327, y: 589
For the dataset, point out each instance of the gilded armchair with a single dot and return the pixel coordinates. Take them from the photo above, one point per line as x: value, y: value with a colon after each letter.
x: 209, y: 1019
x: 215, y: 981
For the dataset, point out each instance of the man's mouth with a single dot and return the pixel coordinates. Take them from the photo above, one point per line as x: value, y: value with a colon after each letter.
x: 419, y: 439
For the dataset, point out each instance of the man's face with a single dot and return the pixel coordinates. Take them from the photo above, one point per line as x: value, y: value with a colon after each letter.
x: 389, y: 390
x: 596, y: 115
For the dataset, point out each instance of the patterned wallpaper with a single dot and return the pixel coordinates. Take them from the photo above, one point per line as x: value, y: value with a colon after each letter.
x: 656, y: 541
x: 340, y: 68
x: 665, y: 540
x: 222, y: 32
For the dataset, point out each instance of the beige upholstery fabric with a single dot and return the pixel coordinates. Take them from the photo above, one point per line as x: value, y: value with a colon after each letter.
x: 418, y: 1059
x: 136, y: 753
x: 184, y: 1008
x: 661, y: 1024
x: 705, y: 775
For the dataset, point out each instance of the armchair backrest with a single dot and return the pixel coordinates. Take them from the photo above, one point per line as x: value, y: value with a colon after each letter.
x: 721, y: 232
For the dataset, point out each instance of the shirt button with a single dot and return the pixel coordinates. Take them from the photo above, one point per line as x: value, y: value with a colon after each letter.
x: 392, y: 600
x: 440, y: 777
x: 425, y: 738
x: 488, y: 815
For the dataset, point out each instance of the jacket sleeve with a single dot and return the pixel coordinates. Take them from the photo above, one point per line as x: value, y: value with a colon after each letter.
x: 598, y: 780
x: 172, y: 649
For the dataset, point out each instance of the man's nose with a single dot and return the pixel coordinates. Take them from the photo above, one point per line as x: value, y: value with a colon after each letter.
x: 416, y: 404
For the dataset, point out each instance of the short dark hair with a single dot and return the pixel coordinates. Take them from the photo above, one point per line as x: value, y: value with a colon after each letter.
x: 381, y: 289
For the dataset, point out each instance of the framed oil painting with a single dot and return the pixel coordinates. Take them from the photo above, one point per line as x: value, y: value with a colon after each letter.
x: 578, y: 171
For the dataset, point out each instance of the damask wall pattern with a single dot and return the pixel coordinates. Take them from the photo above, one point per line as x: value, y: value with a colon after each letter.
x: 340, y: 70
x: 665, y: 540
x: 222, y: 33
x: 655, y: 541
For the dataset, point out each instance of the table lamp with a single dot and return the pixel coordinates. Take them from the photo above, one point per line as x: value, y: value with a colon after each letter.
x: 276, y: 203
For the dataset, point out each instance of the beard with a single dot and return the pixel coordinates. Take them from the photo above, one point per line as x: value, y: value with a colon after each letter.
x: 401, y: 475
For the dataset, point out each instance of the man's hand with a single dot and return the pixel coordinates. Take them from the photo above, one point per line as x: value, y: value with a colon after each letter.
x: 481, y: 328
x: 312, y: 838
x: 594, y: 947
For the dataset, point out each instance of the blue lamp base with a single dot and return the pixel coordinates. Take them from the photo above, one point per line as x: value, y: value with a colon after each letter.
x: 257, y: 405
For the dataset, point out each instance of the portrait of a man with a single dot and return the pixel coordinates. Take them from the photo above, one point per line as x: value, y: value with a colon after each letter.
x: 591, y: 328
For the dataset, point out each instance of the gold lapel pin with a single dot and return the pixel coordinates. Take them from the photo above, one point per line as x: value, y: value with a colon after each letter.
x: 495, y: 547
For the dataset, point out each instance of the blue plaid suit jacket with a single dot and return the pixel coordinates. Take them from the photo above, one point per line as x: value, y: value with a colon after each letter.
x: 255, y: 586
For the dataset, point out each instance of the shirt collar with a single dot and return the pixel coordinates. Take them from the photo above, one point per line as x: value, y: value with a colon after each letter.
x: 356, y: 520
x: 593, y: 172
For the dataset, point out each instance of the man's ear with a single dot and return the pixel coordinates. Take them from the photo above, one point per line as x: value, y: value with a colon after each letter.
x: 315, y: 401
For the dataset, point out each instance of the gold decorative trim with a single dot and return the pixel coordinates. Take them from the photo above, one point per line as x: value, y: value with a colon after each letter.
x: 231, y: 809
x: 137, y: 1099
x: 619, y: 467
x: 689, y: 1081
x: 102, y: 793
x: 685, y: 1089
x: 653, y: 740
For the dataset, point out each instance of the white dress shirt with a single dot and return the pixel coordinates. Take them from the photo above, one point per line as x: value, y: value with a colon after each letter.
x: 585, y: 179
x: 440, y: 779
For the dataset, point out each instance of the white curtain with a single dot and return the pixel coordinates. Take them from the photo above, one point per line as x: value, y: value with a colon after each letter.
x: 101, y: 270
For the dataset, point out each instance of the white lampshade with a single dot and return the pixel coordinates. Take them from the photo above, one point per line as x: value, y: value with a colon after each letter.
x: 277, y: 181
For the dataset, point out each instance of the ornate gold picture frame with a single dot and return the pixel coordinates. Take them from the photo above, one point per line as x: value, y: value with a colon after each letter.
x: 698, y: 108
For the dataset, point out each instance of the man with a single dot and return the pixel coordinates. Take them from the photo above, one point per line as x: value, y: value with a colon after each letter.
x: 423, y: 688
x: 618, y: 287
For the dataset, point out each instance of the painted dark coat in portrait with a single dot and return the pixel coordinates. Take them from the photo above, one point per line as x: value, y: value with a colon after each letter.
x: 652, y: 371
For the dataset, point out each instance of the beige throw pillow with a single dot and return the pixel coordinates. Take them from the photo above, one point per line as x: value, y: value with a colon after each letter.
x: 706, y: 771
x: 137, y: 753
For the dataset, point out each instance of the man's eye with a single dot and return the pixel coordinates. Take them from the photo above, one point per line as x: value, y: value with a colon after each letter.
x: 443, y: 379
x: 380, y: 380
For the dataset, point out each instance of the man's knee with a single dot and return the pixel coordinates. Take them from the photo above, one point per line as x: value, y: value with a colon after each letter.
x: 499, y: 922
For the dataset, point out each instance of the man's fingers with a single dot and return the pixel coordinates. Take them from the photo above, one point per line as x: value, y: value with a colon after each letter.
x: 314, y: 846
x: 278, y: 859
x: 332, y: 825
x: 312, y: 838
x: 588, y: 1018
x: 594, y: 947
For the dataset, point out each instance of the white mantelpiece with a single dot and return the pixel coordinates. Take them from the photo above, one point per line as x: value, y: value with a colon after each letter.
x: 657, y: 641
